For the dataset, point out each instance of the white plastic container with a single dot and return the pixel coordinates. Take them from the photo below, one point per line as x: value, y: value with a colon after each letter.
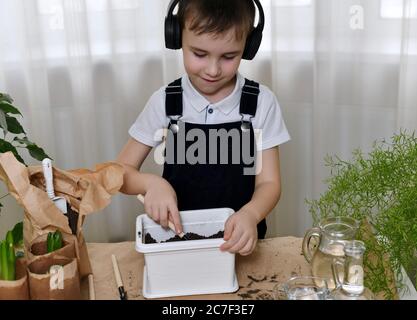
x: 186, y: 267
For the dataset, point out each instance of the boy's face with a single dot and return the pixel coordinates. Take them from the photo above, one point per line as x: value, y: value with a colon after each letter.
x: 212, y: 60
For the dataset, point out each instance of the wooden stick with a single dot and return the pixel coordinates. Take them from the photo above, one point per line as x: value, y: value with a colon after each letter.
x: 91, y: 287
x: 141, y: 198
x: 122, y: 292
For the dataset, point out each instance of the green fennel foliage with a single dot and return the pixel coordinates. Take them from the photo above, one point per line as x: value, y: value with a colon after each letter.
x: 382, y: 189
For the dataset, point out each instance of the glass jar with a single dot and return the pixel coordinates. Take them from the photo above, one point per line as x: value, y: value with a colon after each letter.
x: 352, y: 286
x: 302, y: 288
x: 331, y: 234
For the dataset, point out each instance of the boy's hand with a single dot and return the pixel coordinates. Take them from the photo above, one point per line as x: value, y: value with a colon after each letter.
x: 161, y: 204
x: 240, y: 233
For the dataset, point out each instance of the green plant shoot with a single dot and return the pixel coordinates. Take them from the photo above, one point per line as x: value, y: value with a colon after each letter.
x: 54, y: 241
x: 7, y: 259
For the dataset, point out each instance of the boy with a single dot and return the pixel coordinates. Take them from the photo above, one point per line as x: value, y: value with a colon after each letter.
x: 212, y: 96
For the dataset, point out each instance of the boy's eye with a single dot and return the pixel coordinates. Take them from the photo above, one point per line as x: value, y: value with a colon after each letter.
x: 229, y: 57
x: 199, y: 55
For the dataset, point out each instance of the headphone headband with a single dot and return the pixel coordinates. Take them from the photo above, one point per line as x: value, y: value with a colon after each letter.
x: 171, y: 7
x: 173, y: 31
x: 261, y: 22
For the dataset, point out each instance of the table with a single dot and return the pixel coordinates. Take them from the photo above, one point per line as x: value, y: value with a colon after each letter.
x: 273, y: 261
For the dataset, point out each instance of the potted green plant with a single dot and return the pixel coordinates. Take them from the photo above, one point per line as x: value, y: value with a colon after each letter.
x: 14, y: 136
x: 13, y: 275
x: 379, y: 189
x: 10, y: 250
x: 7, y: 258
x: 13, y: 278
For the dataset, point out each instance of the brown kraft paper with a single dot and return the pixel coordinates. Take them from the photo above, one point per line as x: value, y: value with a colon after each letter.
x: 38, y: 248
x: 85, y: 190
x: 62, y: 283
x: 18, y: 289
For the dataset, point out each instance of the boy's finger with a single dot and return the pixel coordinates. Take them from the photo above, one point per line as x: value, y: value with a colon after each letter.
x: 148, y: 210
x: 175, y: 216
x: 239, y: 245
x: 228, y: 229
x: 247, y: 249
x: 163, y: 213
x: 153, y: 212
x: 230, y: 243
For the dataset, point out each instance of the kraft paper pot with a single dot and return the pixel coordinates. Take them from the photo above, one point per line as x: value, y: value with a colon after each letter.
x: 18, y: 289
x: 84, y: 264
x: 38, y: 248
x: 54, y: 278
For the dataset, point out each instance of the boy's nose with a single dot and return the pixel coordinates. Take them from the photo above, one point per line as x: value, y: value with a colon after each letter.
x: 213, y: 69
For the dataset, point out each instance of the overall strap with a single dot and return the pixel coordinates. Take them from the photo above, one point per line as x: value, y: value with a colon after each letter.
x: 173, y: 99
x: 249, y: 99
x: 248, y: 103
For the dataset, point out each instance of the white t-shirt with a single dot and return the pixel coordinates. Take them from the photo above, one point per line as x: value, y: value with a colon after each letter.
x: 197, y: 109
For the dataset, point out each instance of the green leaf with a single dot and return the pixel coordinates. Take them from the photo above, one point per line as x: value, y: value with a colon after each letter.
x: 9, y: 238
x: 5, y: 97
x: 23, y: 140
x: 37, y: 152
x: 14, y: 126
x: 11, y: 124
x: 50, y: 242
x: 3, y: 261
x: 57, y: 240
x: 9, y: 108
x: 11, y: 257
x: 6, y: 146
x: 3, y: 122
x: 18, y: 234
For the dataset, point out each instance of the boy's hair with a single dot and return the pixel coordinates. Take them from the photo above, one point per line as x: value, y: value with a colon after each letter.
x: 218, y: 16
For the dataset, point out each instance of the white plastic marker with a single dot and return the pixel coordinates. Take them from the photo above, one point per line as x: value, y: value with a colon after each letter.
x: 170, y: 224
x: 60, y: 202
x: 122, y: 292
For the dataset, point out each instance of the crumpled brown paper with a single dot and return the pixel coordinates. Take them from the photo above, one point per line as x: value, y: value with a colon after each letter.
x: 40, y: 279
x: 85, y: 190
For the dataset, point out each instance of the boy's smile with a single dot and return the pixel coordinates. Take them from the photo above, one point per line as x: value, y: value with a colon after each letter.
x: 211, y: 62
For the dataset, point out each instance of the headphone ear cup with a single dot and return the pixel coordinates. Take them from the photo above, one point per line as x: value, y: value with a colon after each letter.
x: 172, y: 33
x: 253, y: 42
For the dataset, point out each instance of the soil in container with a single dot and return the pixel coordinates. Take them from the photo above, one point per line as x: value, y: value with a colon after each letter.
x: 189, y: 235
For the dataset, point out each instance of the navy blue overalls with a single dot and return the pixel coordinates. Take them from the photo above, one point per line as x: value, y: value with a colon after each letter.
x: 211, y: 184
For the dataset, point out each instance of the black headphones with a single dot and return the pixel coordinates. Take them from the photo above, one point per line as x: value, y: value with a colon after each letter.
x: 173, y: 39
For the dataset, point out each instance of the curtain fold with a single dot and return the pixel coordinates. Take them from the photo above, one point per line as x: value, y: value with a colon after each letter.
x: 81, y: 71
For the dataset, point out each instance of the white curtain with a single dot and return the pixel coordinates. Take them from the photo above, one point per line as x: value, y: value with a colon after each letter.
x: 344, y: 72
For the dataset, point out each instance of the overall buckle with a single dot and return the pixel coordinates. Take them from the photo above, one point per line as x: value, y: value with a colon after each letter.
x: 173, y: 124
x: 246, y: 122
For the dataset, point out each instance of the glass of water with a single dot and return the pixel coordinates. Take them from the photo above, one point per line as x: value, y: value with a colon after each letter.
x: 302, y: 288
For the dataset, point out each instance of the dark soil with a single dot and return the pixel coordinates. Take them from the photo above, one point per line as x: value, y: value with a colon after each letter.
x: 41, y: 248
x: 188, y: 235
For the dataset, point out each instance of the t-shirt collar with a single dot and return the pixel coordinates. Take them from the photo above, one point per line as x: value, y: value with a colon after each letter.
x: 199, y: 102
